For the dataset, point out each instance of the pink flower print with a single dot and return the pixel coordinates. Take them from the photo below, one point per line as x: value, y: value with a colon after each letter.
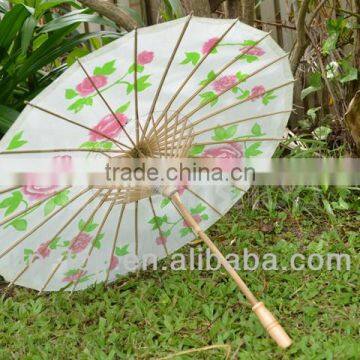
x: 80, y: 243
x: 209, y: 45
x: 62, y: 164
x: 145, y: 57
x: 109, y: 127
x: 35, y: 192
x: 86, y: 88
x: 161, y: 240
x: 226, y: 82
x: 253, y: 50
x: 114, y: 262
x: 74, y: 277
x: 226, y: 154
x: 43, y: 250
x: 196, y: 217
x: 257, y: 92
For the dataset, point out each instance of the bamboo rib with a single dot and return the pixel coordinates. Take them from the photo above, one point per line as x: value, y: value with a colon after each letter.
x: 217, y: 74
x: 38, y: 203
x: 44, y: 151
x: 174, y: 137
x: 136, y: 227
x: 161, y: 234
x: 181, y: 87
x: 171, y: 59
x: 105, y: 102
x: 136, y: 86
x: 22, y: 272
x: 117, y: 232
x: 238, y: 140
x: 83, y: 266
x: 197, y: 133
x: 117, y: 143
x: 181, y: 138
x: 204, y: 201
x: 202, y: 105
x: 239, y: 102
x: 52, y: 274
x: 9, y: 189
x: 32, y: 231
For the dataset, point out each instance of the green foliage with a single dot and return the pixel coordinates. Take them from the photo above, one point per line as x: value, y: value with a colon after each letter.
x: 33, y: 38
x: 192, y: 309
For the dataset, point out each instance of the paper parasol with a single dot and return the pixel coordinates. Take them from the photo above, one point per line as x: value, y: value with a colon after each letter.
x: 190, y: 87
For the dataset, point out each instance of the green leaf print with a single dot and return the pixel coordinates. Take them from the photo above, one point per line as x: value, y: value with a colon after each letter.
x: 256, y: 130
x: 78, y: 105
x: 222, y: 133
x: 121, y: 109
x: 196, y: 150
x: 122, y: 251
x: 70, y: 94
x: 191, y: 57
x: 211, y: 76
x: 208, y: 97
x: 12, y: 203
x: 16, y: 142
x: 87, y: 227
x: 19, y: 224
x: 97, y: 241
x: 165, y: 202
x: 198, y: 209
x: 267, y: 97
x: 142, y: 83
x: 107, y: 69
x: 140, y: 68
x: 253, y: 150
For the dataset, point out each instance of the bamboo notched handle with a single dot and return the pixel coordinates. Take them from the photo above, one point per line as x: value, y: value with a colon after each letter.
x: 271, y: 325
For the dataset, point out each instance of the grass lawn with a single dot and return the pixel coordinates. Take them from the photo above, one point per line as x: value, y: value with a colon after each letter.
x: 158, y: 313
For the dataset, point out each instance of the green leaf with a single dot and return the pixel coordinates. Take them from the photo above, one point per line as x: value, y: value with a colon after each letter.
x: 165, y: 202
x: 87, y: 227
x: 185, y: 231
x: 7, y: 118
x: 322, y: 132
x: 75, y: 17
x: 107, y: 69
x: 267, y: 97
x: 106, y: 145
x: 27, y: 33
x: 16, y: 142
x: 140, y: 68
x: 196, y: 150
x: 10, y: 25
x: 315, y: 84
x: 330, y: 43
x: 211, y: 76
x: 129, y: 89
x: 241, y: 76
x: 77, y: 53
x: 62, y: 198
x: 198, y: 209
x: 19, y: 224
x: 70, y: 93
x: 49, y: 207
x: 222, y: 133
x: 88, y: 145
x: 209, y: 97
x: 249, y: 43
x: 142, y: 83
x: 121, y: 109
x: 244, y: 94
x: 256, y: 130
x: 12, y: 203
x: 249, y: 58
x: 122, y: 251
x: 350, y: 75
x: 78, y: 105
x: 205, y: 217
x: 97, y: 241
x: 54, y: 243
x: 253, y: 150
x: 191, y: 57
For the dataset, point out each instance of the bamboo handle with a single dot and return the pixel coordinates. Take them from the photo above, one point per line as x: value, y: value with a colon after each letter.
x: 272, y: 326
x: 266, y: 318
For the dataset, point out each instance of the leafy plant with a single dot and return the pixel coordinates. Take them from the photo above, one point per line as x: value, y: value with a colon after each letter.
x: 34, y: 41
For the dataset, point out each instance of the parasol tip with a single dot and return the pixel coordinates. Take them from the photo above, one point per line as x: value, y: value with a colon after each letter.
x: 272, y: 326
